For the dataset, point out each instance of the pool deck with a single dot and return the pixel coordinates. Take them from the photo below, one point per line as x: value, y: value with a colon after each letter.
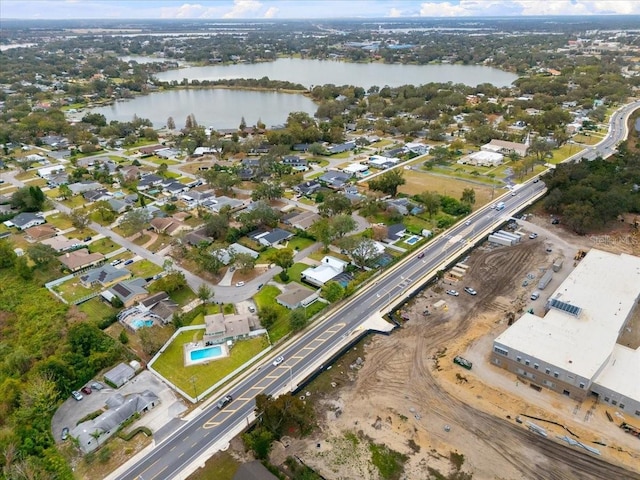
x: 192, y: 346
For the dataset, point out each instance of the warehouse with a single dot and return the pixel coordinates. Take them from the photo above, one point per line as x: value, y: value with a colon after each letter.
x: 572, y: 349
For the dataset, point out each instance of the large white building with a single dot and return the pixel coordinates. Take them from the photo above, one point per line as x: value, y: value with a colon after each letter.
x: 573, y: 348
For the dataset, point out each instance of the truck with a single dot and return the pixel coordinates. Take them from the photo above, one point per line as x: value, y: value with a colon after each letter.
x: 500, y: 206
x: 545, y: 280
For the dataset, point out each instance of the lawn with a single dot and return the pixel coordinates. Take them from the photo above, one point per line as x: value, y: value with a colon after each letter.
x: 588, y: 138
x: 159, y: 161
x: 199, y: 319
x: 59, y: 220
x: 299, y: 243
x: 104, y: 246
x: 141, y: 239
x: 96, y: 309
x: 267, y: 297
x: 294, y: 273
x: 73, y: 202
x: 144, y: 268
x: 182, y: 296
x: 74, y: 290
x: 171, y: 363
x: 222, y: 466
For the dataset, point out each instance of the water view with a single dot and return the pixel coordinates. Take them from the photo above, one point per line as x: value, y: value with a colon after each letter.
x: 320, y: 72
x: 218, y: 108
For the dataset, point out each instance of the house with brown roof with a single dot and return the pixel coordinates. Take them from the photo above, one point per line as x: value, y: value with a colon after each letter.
x: 168, y: 226
x: 79, y: 259
x: 220, y: 327
x: 40, y: 232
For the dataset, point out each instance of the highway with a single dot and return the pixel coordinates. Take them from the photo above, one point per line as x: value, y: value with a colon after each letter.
x: 212, y: 428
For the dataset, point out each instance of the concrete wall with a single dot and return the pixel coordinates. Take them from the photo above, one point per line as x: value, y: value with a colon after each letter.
x: 617, y: 401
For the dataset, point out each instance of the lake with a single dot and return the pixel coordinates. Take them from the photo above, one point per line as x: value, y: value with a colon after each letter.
x: 215, y: 107
x: 321, y: 72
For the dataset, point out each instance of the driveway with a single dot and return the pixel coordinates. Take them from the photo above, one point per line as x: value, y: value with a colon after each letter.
x: 72, y: 410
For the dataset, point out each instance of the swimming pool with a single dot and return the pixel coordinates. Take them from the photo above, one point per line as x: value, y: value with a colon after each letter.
x: 138, y: 323
x: 206, y: 353
x: 413, y: 239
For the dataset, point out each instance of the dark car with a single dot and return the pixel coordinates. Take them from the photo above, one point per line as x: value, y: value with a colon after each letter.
x: 555, y: 221
x: 86, y: 390
x: 224, y: 401
x: 87, y: 239
x: 421, y: 255
x: 129, y: 262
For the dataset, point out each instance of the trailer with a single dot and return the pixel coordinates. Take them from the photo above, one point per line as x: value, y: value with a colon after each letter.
x: 500, y: 240
x: 557, y: 264
x: 515, y: 237
x: 546, y: 278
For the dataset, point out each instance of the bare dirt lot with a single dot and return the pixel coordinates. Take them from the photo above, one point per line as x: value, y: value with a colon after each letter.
x: 408, y: 395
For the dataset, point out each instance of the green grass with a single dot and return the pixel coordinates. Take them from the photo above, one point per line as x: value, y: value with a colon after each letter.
x: 74, y: 290
x: 267, y: 297
x: 96, y: 309
x: 199, y: 319
x: 294, y: 273
x: 144, y: 268
x: 298, y: 243
x: 182, y: 296
x: 104, y: 246
x: 59, y: 220
x: 73, y: 202
x: 159, y: 161
x: 389, y: 463
x: 171, y: 363
x: 222, y: 466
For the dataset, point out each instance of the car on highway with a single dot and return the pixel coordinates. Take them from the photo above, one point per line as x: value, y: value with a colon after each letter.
x: 239, y: 284
x: 421, y: 255
x: 65, y: 433
x: 493, y: 206
x: 536, y: 180
x: 278, y: 361
x: 453, y: 293
x: 533, y: 235
x: 86, y: 390
x: 513, y: 193
x: 77, y: 395
x: 224, y: 401
x: 467, y: 223
x: 470, y: 291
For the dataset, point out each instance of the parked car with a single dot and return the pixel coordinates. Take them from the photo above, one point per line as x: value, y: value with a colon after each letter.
x: 239, y: 284
x: 252, y: 309
x: 470, y: 291
x: 77, y: 395
x: 97, y: 386
x: 278, y: 361
x: 129, y: 262
x: 87, y: 239
x: 86, y: 390
x: 224, y: 401
x: 116, y: 262
x: 555, y: 221
x: 533, y: 235
x: 421, y: 255
x: 453, y: 293
x: 65, y: 433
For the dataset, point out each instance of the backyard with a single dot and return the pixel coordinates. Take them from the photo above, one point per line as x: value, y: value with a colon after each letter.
x: 200, y: 377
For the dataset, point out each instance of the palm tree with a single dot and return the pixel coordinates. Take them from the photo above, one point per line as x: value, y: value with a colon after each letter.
x: 96, y: 435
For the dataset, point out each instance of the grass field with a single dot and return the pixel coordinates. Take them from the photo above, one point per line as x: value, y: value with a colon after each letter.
x: 144, y: 268
x: 74, y: 290
x: 267, y: 297
x: 294, y: 273
x: 182, y: 296
x: 103, y: 246
x: 96, y: 309
x: 59, y: 220
x: 171, y: 363
x: 418, y: 182
x: 222, y: 466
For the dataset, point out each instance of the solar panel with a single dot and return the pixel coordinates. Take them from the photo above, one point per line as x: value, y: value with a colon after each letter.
x: 565, y: 307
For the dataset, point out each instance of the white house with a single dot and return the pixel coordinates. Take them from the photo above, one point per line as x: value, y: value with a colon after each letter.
x: 330, y: 267
x: 355, y: 169
x: 46, y: 172
x: 483, y: 158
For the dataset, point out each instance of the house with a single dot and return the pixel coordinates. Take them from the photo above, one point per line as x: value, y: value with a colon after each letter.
x: 218, y: 203
x: 118, y: 206
x: 130, y: 172
x: 197, y: 238
x: 168, y: 226
x: 296, y: 296
x: 164, y: 310
x: 34, y: 157
x: 105, y: 275
x: 227, y: 254
x: 40, y: 232
x: 301, y: 147
x: 93, y: 433
x: 150, y: 150
x: 329, y: 268
x: 381, y: 162
x: 483, y: 158
x: 79, y: 259
x: 193, y: 198
x: 220, y: 328
x: 302, y: 220
x: 57, y: 179
x: 174, y: 188
x: 273, y: 238
x: 295, y: 162
x: 334, y: 179
x: 46, y: 172
x: 61, y: 243
x: 81, y: 187
x: 120, y: 374
x: 128, y: 292
x: 395, y: 232
x: 341, y: 147
x: 96, y: 195
x: 504, y: 147
x: 25, y: 220
x: 308, y: 188
x: 402, y: 205
x: 355, y: 169
x: 148, y: 181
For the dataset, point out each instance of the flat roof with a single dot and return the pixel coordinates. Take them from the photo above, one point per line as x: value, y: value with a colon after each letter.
x: 605, y: 288
x: 622, y: 367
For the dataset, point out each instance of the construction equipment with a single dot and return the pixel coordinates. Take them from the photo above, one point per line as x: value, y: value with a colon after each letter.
x: 580, y: 255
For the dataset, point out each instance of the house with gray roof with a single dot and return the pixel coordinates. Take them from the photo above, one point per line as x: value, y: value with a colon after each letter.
x: 96, y: 195
x: 93, y: 433
x: 26, y: 220
x: 81, y: 187
x: 296, y: 296
x: 308, y: 188
x: 334, y: 179
x: 341, y: 147
x: 226, y: 255
x: 117, y: 205
x: 220, y: 327
x: 148, y: 181
x: 129, y: 292
x: 106, y: 275
x: 274, y: 237
x: 253, y: 471
x: 120, y: 374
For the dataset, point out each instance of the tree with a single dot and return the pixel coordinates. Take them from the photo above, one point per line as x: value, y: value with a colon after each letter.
x: 244, y: 262
x: 268, y: 316
x: 267, y: 190
x: 297, y: 319
x: 79, y: 219
x: 171, y: 124
x: 41, y: 254
x: 162, y: 170
x: 28, y: 199
x: 363, y: 251
x: 7, y: 255
x: 64, y: 191
x: 261, y: 215
x: 334, y: 204
x: 540, y: 148
x: 388, y: 182
x: 216, y: 226
x: 22, y: 268
x: 342, y: 224
x: 123, y: 337
x: 105, y: 210
x: 259, y: 441
x: 332, y: 291
x: 135, y: 221
x: 171, y: 282
x: 322, y: 231
x: 431, y: 202
x: 468, y: 196
x: 204, y: 293
x: 283, y: 258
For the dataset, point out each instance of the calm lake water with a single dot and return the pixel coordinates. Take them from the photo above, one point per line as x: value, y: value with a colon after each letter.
x: 218, y: 108
x: 321, y: 72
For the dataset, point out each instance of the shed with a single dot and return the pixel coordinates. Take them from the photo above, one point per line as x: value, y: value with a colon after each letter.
x: 119, y: 375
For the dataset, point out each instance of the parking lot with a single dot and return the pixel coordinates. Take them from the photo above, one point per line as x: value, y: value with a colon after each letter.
x: 71, y: 411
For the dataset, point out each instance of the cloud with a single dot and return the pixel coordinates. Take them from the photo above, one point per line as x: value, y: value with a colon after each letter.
x: 395, y: 12
x: 271, y: 13
x: 480, y: 8
x: 244, y: 9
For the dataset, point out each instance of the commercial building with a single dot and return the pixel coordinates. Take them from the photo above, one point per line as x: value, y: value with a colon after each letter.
x: 573, y: 348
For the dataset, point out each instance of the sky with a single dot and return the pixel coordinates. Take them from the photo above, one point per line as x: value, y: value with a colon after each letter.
x: 281, y: 9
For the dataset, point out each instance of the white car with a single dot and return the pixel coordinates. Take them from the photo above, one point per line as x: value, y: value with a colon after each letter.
x: 467, y: 223
x: 533, y: 235
x: 453, y: 293
x: 278, y: 361
x: 470, y: 291
x: 239, y: 284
